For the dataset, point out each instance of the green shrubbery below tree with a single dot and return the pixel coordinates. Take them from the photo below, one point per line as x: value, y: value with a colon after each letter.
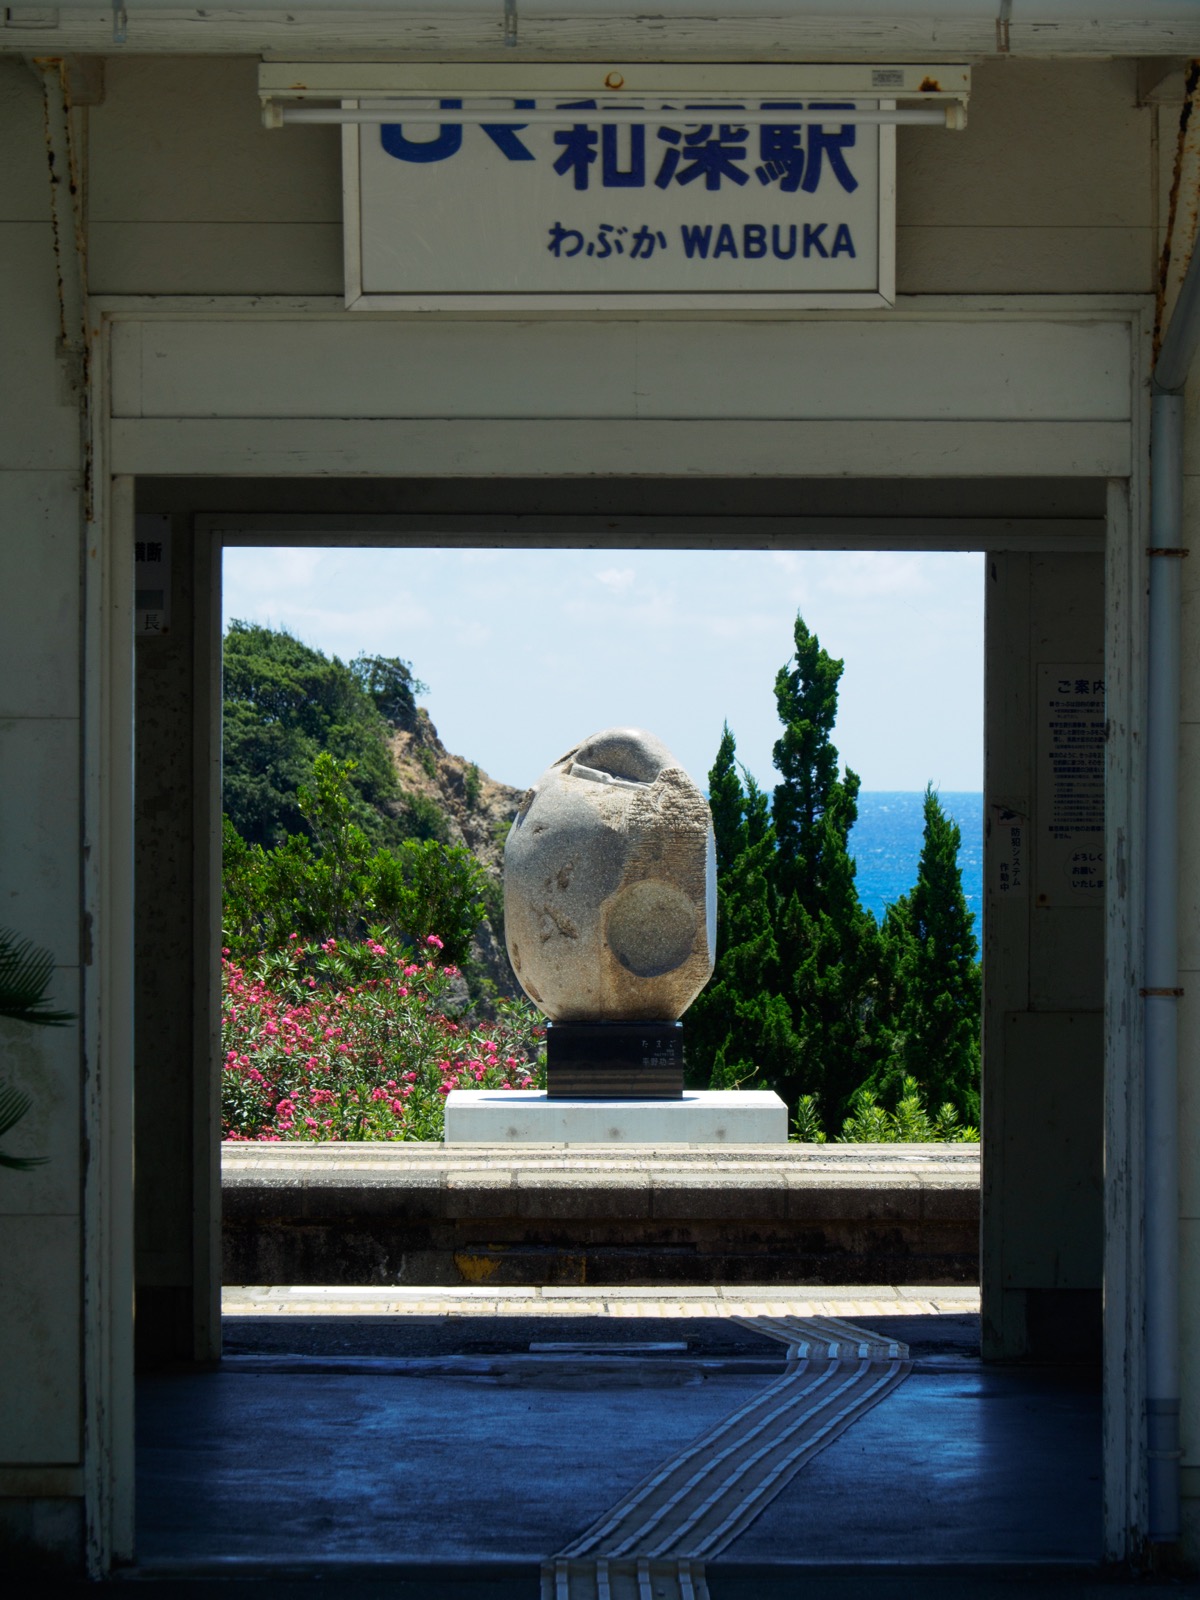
x: 852, y: 1023
x: 333, y: 882
x: 870, y: 1123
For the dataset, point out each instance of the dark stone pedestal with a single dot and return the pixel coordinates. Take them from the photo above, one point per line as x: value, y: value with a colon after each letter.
x: 614, y: 1060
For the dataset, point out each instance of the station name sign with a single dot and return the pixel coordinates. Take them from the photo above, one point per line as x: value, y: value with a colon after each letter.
x: 690, y: 201
x: 640, y: 186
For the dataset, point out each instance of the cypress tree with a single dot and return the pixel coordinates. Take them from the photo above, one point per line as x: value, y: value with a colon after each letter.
x: 806, y: 697
x: 739, y: 1028
x: 935, y: 957
x: 828, y: 946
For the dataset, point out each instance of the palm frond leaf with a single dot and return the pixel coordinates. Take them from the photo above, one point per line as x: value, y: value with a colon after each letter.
x: 21, y: 1163
x: 25, y: 973
x: 13, y: 1106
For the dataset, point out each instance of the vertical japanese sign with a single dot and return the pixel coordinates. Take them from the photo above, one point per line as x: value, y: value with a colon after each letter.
x: 691, y: 201
x: 1071, y: 742
x: 1008, y: 853
x: 152, y: 575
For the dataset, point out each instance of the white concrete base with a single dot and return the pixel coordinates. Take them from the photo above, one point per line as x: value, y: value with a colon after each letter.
x: 703, y: 1116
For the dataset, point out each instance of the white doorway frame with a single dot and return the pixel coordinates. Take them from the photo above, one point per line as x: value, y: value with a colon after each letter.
x: 129, y: 439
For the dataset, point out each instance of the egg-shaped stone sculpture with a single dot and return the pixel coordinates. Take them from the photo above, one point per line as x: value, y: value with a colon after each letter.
x: 610, y: 884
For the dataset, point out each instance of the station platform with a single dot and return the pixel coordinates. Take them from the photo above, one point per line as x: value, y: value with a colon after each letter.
x: 456, y: 1443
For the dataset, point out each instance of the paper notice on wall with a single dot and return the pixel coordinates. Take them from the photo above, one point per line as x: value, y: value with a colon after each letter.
x: 152, y: 575
x: 1070, y: 812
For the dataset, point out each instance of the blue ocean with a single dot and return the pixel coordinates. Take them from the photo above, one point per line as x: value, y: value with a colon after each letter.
x: 886, y: 844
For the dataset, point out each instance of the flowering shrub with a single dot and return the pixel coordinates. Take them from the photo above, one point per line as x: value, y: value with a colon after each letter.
x: 340, y: 1040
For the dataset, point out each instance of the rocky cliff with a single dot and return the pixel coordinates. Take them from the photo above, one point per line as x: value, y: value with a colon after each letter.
x: 478, y: 812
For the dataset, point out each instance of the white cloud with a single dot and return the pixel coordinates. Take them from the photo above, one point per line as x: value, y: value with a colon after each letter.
x: 617, y: 579
x: 873, y: 574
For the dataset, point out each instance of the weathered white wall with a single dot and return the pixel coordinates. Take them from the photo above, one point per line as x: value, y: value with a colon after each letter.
x: 40, y: 832
x: 1047, y: 191
x: 189, y: 194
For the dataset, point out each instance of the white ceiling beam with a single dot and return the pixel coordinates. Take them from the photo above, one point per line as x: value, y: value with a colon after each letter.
x: 599, y: 30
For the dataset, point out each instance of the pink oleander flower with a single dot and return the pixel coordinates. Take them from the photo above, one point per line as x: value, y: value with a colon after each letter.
x: 434, y: 942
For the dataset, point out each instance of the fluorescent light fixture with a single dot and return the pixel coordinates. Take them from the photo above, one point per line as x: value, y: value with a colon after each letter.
x: 509, y: 94
x: 421, y: 114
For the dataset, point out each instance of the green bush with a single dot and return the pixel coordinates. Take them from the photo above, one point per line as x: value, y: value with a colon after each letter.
x: 425, y: 818
x: 332, y: 882
x: 871, y: 1123
x: 471, y: 786
x: 806, y: 1124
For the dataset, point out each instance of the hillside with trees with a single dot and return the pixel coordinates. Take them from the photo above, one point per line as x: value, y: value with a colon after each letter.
x: 387, y: 810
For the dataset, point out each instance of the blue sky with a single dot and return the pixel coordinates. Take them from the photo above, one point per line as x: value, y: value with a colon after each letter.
x: 527, y: 652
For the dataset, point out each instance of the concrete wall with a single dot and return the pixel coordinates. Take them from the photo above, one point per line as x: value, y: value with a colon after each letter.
x: 41, y: 554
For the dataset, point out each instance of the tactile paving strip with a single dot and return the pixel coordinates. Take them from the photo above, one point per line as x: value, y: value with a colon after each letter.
x: 653, y: 1544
